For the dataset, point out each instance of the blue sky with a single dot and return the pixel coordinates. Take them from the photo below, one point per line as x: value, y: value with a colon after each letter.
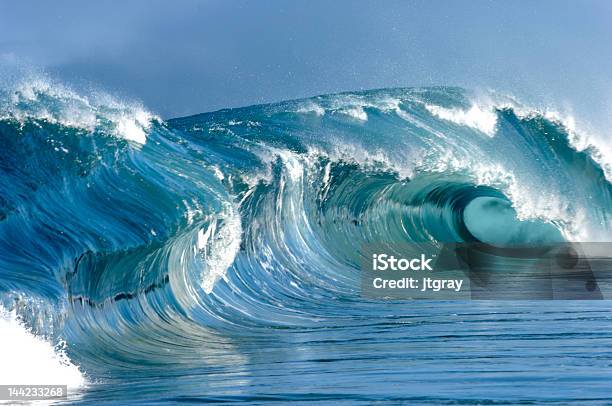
x: 185, y: 57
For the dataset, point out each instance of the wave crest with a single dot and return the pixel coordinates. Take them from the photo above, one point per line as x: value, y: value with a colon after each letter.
x: 39, y: 98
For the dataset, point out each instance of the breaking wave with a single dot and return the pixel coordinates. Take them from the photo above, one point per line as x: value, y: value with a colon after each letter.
x: 144, y: 233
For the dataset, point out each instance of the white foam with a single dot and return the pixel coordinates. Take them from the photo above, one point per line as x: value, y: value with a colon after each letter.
x: 365, y: 157
x: 354, y: 106
x: 600, y: 149
x: 29, y: 359
x: 40, y: 98
x: 192, y: 212
x: 356, y: 112
x: 219, y: 244
x: 327, y: 174
x: 483, y: 119
x: 133, y: 126
x: 218, y: 172
x: 292, y: 164
x: 311, y: 107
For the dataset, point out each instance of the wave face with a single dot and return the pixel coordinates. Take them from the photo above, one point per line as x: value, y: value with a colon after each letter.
x: 210, y: 253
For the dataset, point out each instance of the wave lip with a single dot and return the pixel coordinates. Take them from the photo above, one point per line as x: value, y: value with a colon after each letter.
x: 482, y: 119
x: 39, y: 98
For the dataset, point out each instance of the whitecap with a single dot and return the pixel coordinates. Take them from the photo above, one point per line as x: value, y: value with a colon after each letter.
x: 29, y: 359
x: 480, y: 118
x: 40, y: 98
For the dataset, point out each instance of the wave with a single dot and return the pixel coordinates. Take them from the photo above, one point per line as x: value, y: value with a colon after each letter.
x: 142, y: 231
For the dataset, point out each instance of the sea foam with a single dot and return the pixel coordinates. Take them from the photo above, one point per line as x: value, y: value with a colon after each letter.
x: 480, y: 118
x: 29, y: 359
x: 40, y: 98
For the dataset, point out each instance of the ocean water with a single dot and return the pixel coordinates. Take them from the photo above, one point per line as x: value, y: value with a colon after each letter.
x: 215, y: 258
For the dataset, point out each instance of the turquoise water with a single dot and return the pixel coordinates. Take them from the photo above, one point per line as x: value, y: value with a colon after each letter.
x: 216, y: 257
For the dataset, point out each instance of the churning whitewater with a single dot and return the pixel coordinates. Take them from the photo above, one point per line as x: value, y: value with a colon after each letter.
x: 151, y: 241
